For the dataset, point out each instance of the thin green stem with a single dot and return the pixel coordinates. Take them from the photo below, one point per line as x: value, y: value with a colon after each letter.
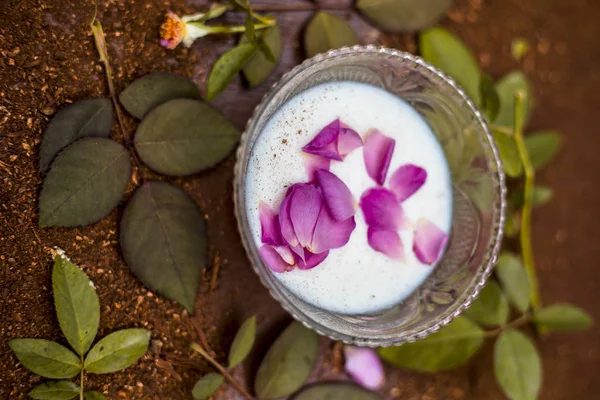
x: 196, y: 347
x: 296, y: 7
x: 81, y: 380
x: 522, y: 320
x: 502, y: 129
x: 525, y: 235
x: 228, y: 29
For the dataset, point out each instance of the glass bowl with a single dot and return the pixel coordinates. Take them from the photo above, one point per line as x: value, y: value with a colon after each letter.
x: 478, y: 194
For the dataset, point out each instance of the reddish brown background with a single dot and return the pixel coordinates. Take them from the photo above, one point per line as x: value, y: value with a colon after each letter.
x: 48, y: 60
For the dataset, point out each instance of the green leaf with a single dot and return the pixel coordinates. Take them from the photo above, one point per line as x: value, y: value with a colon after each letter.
x: 490, y: 308
x: 93, y: 395
x: 335, y: 391
x: 448, y: 348
x: 490, y: 101
x: 85, y: 182
x: 447, y: 52
x: 517, y: 366
x: 509, y: 153
x: 326, y: 31
x: 55, y: 390
x: 403, y: 15
x: 514, y: 280
x: 76, y: 302
x: 518, y: 48
x: 258, y: 68
x: 541, y: 195
x: 507, y: 87
x: 183, y: 137
x: 207, y: 386
x: 563, y: 317
x: 243, y: 342
x: 152, y: 90
x: 226, y: 67
x: 85, y: 118
x: 46, y: 358
x: 164, y: 241
x: 542, y: 147
x: 117, y: 351
x: 250, y: 31
x: 288, y: 362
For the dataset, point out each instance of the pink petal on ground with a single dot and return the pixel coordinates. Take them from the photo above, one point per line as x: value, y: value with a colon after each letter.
x: 312, y: 260
x: 329, y: 233
x: 364, y: 366
x: 407, y: 180
x: 429, y: 241
x: 273, y: 259
x: 325, y: 143
x: 378, y: 153
x: 386, y: 242
x: 348, y: 140
x: 306, y: 204
x: 285, y: 221
x: 314, y: 163
x: 381, y: 209
x: 337, y: 196
x: 269, y: 225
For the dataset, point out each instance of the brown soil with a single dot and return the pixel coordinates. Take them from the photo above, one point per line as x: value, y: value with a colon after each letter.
x: 48, y: 60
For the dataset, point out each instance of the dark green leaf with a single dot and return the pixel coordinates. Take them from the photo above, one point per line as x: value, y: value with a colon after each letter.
x: 207, y: 386
x: 250, y: 32
x: 93, y: 395
x: 448, y: 348
x: 265, y: 50
x: 55, y: 390
x: 507, y: 87
x: 509, y: 153
x: 542, y: 147
x: 541, y: 195
x: 85, y: 182
x: 403, y: 15
x: 490, y: 308
x: 226, y: 67
x: 242, y: 343
x: 184, y: 136
x: 518, y: 48
x: 85, y: 118
x: 155, y: 89
x: 514, y: 280
x: 511, y: 228
x: 563, y: 317
x: 517, y: 366
x: 46, y: 358
x: 117, y: 351
x: 288, y: 362
x: 163, y: 237
x: 335, y: 391
x: 258, y: 68
x: 237, y: 5
x: 490, y: 101
x: 327, y: 31
x: 447, y: 52
x: 76, y: 302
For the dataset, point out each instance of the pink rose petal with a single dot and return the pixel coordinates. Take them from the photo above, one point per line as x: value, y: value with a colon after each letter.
x: 269, y: 225
x: 306, y: 204
x: 348, y: 140
x: 364, y: 366
x: 273, y: 259
x: 334, y: 141
x: 314, y: 163
x: 386, y: 242
x: 378, y: 153
x: 285, y: 221
x: 329, y: 233
x: 286, y: 254
x: 407, y: 180
x: 311, y: 260
x: 429, y: 241
x: 337, y: 196
x: 381, y: 209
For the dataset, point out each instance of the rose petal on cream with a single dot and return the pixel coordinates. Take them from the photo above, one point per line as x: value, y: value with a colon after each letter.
x: 337, y: 196
x: 429, y: 241
x: 378, y: 153
x: 286, y: 254
x: 348, y: 140
x: 329, y: 233
x: 305, y: 206
x: 386, y: 242
x: 406, y: 180
x: 381, y: 209
x: 312, y: 260
x: 364, y: 366
x: 325, y: 143
x: 285, y: 221
x: 273, y: 259
x: 269, y: 225
x: 314, y: 163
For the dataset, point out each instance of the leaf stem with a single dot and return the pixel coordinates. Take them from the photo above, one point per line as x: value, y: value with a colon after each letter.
x: 196, y: 347
x: 81, y: 380
x: 228, y: 29
x: 296, y: 7
x: 525, y: 235
x: 520, y: 321
x: 502, y: 129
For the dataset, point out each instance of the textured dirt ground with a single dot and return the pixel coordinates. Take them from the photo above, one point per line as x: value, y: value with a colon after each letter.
x: 47, y: 59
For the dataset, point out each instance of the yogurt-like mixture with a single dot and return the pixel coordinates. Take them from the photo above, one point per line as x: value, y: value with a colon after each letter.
x: 353, y: 279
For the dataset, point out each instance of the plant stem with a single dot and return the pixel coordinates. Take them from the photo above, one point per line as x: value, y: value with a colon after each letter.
x: 228, y: 29
x: 525, y: 235
x: 295, y: 7
x: 221, y: 369
x: 81, y: 380
x: 522, y: 320
x: 502, y: 129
